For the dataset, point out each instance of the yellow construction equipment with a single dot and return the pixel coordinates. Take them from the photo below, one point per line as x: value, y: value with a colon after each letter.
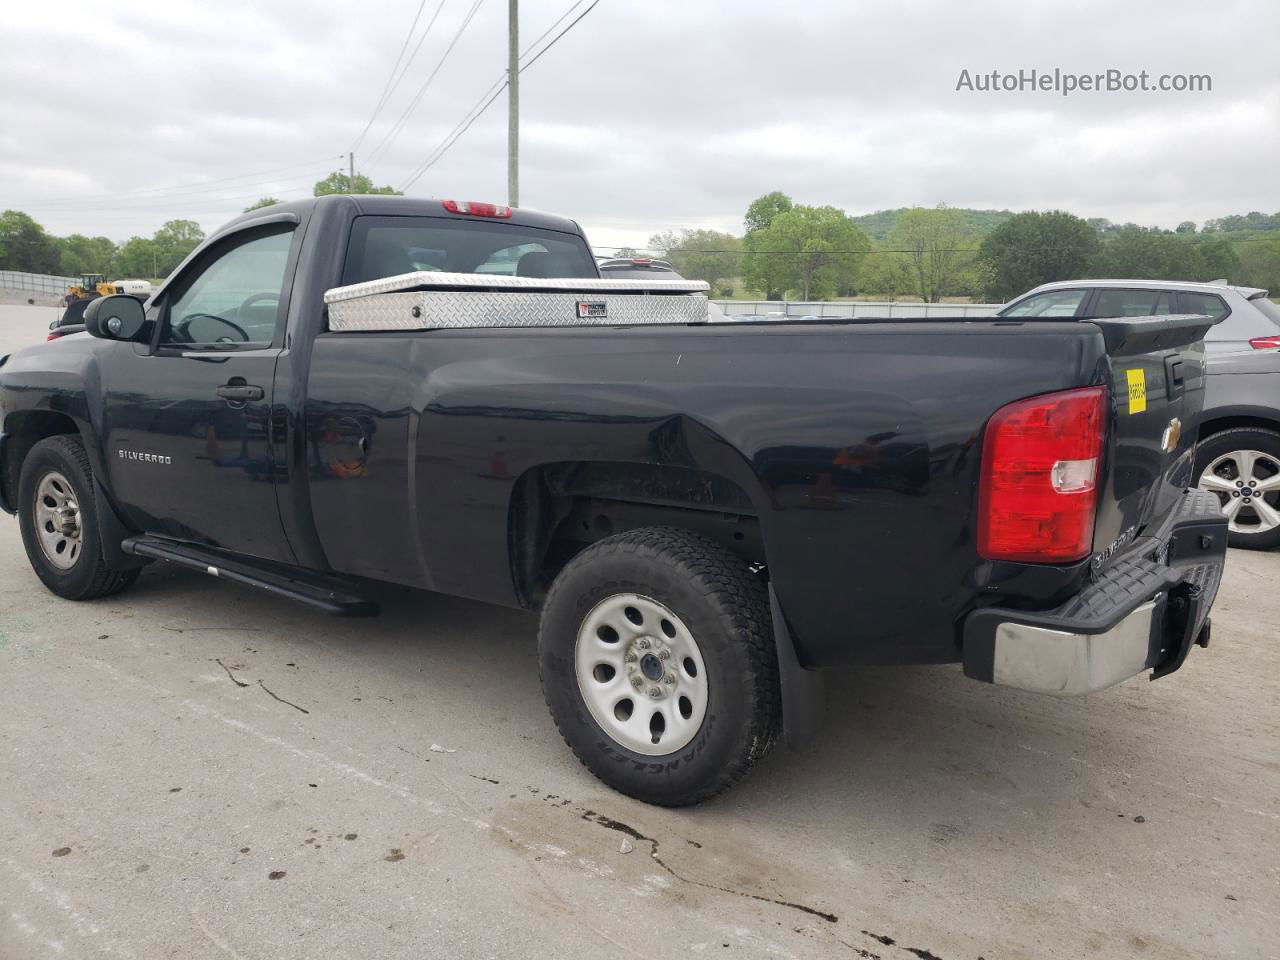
x: 90, y: 287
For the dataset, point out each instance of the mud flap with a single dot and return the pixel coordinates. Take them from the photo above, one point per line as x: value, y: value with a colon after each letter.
x: 112, y: 532
x: 803, y: 691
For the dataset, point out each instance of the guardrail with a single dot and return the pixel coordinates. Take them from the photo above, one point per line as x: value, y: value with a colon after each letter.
x: 39, y: 282
x: 851, y: 309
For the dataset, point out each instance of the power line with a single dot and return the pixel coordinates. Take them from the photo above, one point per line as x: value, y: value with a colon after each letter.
x: 492, y: 94
x: 452, y: 137
x: 192, y: 187
x: 181, y: 204
x: 196, y: 195
x: 393, y: 81
x: 390, y: 136
x: 555, y: 24
x: 559, y: 35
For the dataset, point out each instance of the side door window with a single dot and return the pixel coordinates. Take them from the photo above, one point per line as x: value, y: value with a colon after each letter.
x: 1111, y: 302
x: 1052, y: 303
x: 235, y: 299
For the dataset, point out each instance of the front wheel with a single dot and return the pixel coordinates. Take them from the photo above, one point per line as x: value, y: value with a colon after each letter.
x: 1242, y: 467
x: 657, y: 663
x: 57, y: 516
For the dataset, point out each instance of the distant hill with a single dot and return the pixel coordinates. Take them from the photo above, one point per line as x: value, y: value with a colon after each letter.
x: 1233, y: 227
x: 878, y: 225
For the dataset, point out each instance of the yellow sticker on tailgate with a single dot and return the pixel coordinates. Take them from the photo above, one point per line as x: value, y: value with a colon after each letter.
x: 1137, y: 390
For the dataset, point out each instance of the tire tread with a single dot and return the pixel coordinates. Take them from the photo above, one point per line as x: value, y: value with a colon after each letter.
x: 738, y: 597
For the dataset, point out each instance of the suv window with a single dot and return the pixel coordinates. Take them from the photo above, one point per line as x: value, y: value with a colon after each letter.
x: 1237, y: 325
x: 1111, y: 302
x: 1052, y: 303
x: 389, y: 246
x: 236, y: 298
x: 1206, y: 303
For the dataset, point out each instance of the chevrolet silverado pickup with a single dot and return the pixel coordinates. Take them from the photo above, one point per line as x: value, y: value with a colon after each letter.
x: 446, y: 395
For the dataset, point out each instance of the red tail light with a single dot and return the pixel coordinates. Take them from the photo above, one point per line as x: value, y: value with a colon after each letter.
x: 1265, y: 343
x: 55, y: 335
x: 473, y: 209
x: 1039, y: 480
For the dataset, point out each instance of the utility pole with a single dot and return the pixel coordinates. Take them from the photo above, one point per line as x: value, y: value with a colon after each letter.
x: 513, y: 103
x: 351, y: 167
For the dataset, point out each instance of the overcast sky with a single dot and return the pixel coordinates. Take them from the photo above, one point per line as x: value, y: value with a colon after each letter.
x: 647, y: 115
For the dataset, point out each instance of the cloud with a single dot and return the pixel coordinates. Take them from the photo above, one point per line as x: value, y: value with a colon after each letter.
x: 645, y: 116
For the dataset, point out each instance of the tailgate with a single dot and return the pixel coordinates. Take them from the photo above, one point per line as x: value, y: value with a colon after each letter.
x: 1157, y: 388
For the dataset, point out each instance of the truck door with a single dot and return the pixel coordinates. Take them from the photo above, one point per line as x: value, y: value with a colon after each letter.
x: 188, y: 421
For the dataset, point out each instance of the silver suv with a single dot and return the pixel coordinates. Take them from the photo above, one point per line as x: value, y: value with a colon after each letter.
x: 1238, y: 454
x: 1249, y: 319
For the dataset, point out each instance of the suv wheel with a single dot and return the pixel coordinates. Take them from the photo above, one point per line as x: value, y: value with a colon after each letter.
x: 1242, y: 466
x: 57, y: 516
x: 657, y: 662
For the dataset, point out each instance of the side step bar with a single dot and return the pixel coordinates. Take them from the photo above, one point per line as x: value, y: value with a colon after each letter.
x: 329, y: 594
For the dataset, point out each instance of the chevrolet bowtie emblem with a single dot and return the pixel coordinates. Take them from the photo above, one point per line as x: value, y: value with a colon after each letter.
x: 1172, y: 434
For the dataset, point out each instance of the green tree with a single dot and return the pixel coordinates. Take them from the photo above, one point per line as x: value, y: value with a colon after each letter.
x: 1219, y: 259
x: 934, y: 243
x: 1142, y: 255
x: 811, y: 250
x: 1259, y: 264
x: 79, y: 254
x: 707, y: 255
x: 138, y: 258
x: 1034, y: 248
x: 264, y: 202
x: 339, y: 182
x: 883, y: 274
x: 173, y: 242
x: 25, y: 246
x: 1186, y: 226
x: 763, y: 209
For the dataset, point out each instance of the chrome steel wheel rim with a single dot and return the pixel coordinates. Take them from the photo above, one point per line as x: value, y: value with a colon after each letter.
x: 641, y: 674
x: 1247, y: 483
x: 57, y: 520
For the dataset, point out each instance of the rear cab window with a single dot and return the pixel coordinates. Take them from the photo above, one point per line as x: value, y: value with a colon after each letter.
x: 388, y: 246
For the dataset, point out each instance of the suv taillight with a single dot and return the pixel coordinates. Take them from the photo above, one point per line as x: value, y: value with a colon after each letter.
x: 1039, y: 485
x: 1265, y: 343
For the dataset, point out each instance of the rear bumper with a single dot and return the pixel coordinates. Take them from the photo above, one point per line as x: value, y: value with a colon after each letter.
x: 1143, y: 612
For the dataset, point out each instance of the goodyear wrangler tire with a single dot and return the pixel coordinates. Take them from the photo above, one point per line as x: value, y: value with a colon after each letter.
x: 58, y: 519
x: 657, y: 662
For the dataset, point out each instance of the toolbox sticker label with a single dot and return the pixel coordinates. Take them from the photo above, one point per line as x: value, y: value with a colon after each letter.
x: 1137, y: 390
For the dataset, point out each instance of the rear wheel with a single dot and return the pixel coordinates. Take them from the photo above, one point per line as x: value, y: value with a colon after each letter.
x: 1242, y: 467
x: 57, y: 516
x: 658, y: 665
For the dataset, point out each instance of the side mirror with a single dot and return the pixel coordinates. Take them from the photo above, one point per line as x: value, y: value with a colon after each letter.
x: 117, y: 317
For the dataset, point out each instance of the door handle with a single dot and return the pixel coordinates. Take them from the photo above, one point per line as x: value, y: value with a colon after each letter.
x: 237, y: 389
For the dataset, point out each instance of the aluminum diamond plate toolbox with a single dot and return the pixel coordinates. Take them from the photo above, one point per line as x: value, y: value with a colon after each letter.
x: 433, y: 301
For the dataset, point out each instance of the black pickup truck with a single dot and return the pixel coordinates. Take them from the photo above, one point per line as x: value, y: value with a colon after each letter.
x: 446, y: 395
